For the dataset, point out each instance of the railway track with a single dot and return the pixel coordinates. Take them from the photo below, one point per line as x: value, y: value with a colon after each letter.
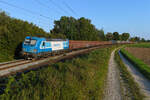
x: 13, y: 64
x: 9, y: 62
x: 13, y: 67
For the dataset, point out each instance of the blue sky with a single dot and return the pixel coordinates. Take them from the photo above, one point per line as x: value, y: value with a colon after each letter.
x: 131, y: 16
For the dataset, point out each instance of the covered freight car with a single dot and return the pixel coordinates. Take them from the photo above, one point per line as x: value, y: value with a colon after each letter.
x: 35, y: 47
x: 73, y: 44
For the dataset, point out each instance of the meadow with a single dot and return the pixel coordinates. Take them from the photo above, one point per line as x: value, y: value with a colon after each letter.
x: 140, y: 53
x: 81, y: 78
x: 140, y: 45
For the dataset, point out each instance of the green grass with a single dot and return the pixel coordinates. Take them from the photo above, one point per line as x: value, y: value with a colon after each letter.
x: 140, y: 45
x: 139, y: 64
x: 130, y: 84
x: 81, y: 78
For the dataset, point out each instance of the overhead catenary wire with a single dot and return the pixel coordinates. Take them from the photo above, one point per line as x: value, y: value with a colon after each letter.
x: 58, y: 6
x: 44, y: 5
x: 70, y: 8
x: 24, y: 9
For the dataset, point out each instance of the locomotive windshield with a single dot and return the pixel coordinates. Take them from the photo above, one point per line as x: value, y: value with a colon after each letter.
x: 33, y: 42
x: 29, y: 42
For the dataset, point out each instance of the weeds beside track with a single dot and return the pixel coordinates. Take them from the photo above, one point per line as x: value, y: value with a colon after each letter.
x: 80, y: 78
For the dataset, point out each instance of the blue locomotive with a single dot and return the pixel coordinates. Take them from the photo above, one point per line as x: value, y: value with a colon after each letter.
x: 35, y: 47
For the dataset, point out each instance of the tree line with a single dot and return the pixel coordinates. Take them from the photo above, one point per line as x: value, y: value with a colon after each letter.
x: 116, y: 36
x: 83, y: 29
x: 138, y: 39
x: 76, y: 29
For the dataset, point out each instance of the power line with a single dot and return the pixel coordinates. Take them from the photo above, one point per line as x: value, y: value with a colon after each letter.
x: 71, y: 9
x: 29, y: 11
x: 44, y: 5
x: 58, y: 6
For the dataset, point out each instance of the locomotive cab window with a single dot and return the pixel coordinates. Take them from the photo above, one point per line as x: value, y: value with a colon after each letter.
x: 27, y: 41
x: 43, y: 44
x: 33, y: 42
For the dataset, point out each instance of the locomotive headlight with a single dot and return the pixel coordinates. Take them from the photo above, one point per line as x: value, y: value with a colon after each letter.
x: 35, y: 50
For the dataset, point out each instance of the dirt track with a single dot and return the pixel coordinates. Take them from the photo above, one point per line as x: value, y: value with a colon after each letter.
x: 113, y: 89
x: 138, y: 77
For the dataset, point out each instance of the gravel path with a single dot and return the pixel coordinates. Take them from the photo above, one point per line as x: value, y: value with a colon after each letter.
x: 113, y: 90
x: 139, y: 78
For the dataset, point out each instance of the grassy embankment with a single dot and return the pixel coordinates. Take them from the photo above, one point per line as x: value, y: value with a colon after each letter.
x: 81, y: 78
x: 139, y: 64
x: 131, y: 86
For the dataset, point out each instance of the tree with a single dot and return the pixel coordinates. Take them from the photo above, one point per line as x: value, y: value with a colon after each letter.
x: 66, y: 26
x: 148, y: 41
x: 125, y: 36
x: 101, y: 35
x: 57, y: 36
x: 143, y: 40
x: 135, y: 39
x: 115, y: 36
x: 109, y: 36
x: 77, y: 29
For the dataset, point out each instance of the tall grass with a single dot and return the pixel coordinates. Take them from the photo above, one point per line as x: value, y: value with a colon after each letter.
x: 132, y: 87
x: 81, y: 78
x: 139, y: 64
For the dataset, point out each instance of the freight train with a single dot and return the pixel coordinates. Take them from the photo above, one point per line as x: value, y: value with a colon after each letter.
x: 36, y: 47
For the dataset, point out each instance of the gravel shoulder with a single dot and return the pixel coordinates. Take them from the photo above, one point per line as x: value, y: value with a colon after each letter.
x: 143, y: 83
x: 113, y: 88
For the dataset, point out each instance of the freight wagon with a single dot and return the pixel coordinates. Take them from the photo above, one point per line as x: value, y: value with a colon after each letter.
x: 85, y: 44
